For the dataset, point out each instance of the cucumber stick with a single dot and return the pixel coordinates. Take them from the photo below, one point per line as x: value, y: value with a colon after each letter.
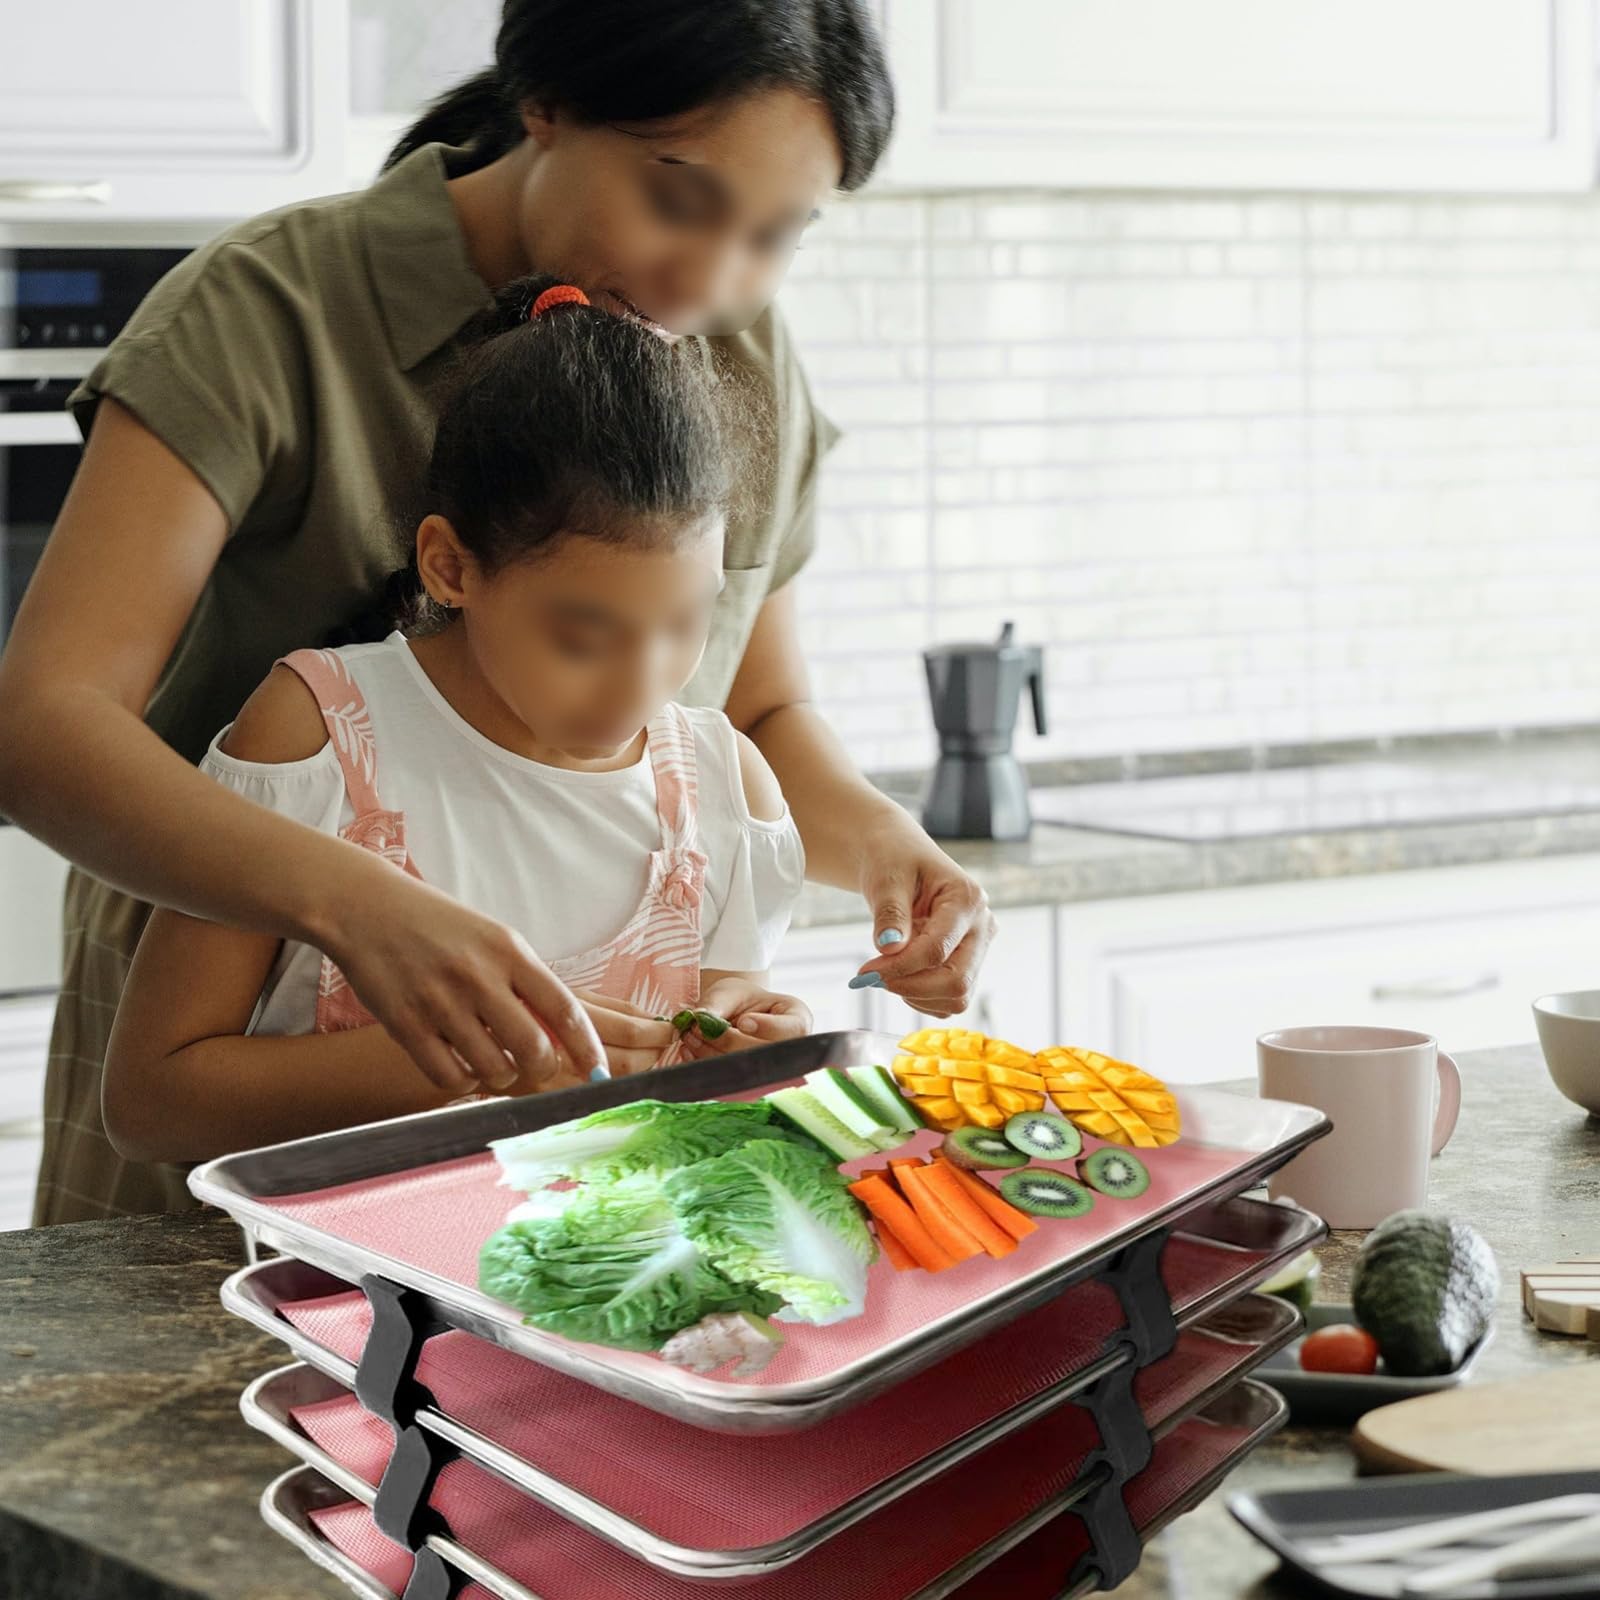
x: 810, y: 1116
x: 855, y: 1108
x: 883, y: 1094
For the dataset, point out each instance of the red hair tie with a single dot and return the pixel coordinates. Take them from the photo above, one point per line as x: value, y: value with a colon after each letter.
x: 558, y: 294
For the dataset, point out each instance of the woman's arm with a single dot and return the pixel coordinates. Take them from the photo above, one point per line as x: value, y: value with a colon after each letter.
x: 131, y: 552
x: 931, y: 918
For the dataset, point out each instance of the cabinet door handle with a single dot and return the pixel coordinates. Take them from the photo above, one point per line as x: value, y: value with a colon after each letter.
x: 1436, y: 988
x: 32, y: 190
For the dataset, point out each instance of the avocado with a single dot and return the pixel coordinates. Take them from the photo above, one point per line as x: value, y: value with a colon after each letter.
x: 1424, y: 1287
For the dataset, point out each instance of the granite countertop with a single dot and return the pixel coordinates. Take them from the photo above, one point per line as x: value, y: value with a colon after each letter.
x: 128, y: 1472
x: 1064, y: 864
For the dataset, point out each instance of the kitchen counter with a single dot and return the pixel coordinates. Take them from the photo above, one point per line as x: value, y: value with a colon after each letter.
x: 1063, y: 864
x: 126, y: 1470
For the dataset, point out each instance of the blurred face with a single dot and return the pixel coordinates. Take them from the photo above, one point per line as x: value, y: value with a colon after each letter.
x: 582, y: 645
x: 688, y: 223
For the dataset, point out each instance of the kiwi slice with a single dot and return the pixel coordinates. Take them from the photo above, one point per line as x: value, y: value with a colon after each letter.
x: 1046, y: 1194
x: 981, y: 1150
x: 1037, y: 1133
x: 1118, y: 1173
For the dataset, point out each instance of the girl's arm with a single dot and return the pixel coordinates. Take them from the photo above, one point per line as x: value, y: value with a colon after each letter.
x: 183, y: 1080
x: 131, y: 552
x: 932, y: 922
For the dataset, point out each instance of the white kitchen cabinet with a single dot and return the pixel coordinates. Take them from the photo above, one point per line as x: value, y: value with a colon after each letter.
x: 817, y: 964
x: 24, y: 1037
x: 1183, y: 984
x: 32, y: 878
x: 171, y: 108
x: 1477, y: 95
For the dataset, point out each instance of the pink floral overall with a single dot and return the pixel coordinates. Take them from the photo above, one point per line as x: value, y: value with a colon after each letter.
x: 654, y: 962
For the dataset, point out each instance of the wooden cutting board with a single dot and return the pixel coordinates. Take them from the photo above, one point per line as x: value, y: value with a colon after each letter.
x: 1542, y: 1424
x: 1563, y: 1296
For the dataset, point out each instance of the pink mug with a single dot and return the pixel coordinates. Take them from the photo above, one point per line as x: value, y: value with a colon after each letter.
x: 1393, y: 1097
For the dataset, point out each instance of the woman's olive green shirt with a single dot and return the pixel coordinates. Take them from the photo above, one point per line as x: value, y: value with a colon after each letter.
x: 295, y: 364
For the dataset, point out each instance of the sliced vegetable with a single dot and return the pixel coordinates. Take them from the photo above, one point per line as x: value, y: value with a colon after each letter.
x: 710, y: 1024
x: 779, y: 1216
x: 941, y: 1179
x: 898, y: 1256
x: 883, y: 1094
x: 890, y: 1210
x: 935, y: 1215
x: 840, y: 1096
x: 615, y: 1267
x: 810, y: 1116
x: 642, y: 1137
x: 722, y: 1337
x: 1018, y: 1224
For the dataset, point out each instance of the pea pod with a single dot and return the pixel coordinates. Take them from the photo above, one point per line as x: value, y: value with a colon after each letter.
x: 711, y: 1025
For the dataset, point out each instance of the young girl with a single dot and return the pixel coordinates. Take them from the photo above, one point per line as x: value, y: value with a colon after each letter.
x: 517, y: 747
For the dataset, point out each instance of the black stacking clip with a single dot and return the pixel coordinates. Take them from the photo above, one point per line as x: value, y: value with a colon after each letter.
x: 1125, y: 1450
x: 387, y: 1386
x: 1151, y: 1331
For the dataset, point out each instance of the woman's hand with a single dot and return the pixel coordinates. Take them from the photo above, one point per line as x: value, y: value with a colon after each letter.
x: 755, y: 1016
x: 633, y: 1039
x: 931, y: 920
x: 466, y: 997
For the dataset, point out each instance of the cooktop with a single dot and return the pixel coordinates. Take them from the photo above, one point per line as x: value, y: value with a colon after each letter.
x: 1328, y: 798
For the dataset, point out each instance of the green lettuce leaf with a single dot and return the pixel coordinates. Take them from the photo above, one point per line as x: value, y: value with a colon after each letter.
x: 779, y: 1215
x: 651, y: 1137
x: 614, y: 1267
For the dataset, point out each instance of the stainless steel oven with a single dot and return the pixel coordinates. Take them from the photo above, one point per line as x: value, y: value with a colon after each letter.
x: 60, y: 305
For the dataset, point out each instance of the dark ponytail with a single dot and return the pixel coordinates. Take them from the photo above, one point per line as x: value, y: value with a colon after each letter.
x: 579, y: 422
x: 622, y: 61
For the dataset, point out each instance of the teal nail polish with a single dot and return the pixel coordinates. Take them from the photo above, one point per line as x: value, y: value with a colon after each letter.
x: 601, y: 1074
x: 867, y: 980
x: 890, y: 936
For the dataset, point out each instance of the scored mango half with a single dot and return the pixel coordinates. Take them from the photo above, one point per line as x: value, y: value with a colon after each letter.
x: 956, y: 1078
x: 1113, y: 1100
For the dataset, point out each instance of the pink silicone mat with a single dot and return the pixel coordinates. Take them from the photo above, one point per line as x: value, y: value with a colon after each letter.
x: 889, y: 1557
x: 436, y: 1218
x: 693, y: 1489
x: 686, y: 1486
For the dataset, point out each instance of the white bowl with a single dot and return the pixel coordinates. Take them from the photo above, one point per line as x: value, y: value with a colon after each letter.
x: 1569, y: 1034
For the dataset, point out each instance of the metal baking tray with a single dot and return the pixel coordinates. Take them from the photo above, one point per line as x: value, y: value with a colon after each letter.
x: 1241, y: 1419
x: 1213, y: 1355
x: 426, y: 1184
x: 1262, y: 1237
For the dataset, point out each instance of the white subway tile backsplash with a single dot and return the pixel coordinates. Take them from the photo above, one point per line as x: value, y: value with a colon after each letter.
x: 1253, y: 470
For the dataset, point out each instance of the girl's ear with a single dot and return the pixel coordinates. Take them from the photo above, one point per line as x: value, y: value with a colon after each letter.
x: 442, y: 561
x: 538, y: 123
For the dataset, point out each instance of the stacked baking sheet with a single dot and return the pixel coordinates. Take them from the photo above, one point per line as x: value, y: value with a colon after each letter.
x: 1032, y: 1416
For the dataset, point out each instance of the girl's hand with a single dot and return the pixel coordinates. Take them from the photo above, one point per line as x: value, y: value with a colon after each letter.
x: 466, y: 997
x: 930, y: 919
x: 755, y: 1016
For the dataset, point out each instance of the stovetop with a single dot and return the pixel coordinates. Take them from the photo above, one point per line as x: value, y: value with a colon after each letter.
x: 1331, y: 798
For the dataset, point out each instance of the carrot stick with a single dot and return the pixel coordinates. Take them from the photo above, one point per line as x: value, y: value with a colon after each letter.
x: 888, y: 1207
x: 899, y: 1257
x: 994, y: 1239
x: 1017, y: 1223
x: 934, y: 1215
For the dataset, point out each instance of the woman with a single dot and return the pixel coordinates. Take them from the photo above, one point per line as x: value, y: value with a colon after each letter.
x: 260, y: 425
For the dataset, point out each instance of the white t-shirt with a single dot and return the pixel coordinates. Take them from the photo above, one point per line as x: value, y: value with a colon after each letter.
x: 561, y: 856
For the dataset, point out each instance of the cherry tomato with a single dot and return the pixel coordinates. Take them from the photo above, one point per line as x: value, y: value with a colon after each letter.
x: 1341, y: 1348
